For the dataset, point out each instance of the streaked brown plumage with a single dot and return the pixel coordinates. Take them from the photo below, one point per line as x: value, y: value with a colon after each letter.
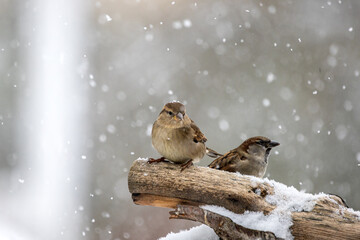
x: 250, y: 158
x: 176, y: 137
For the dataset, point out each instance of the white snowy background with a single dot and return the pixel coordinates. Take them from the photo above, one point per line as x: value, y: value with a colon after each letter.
x: 82, y: 82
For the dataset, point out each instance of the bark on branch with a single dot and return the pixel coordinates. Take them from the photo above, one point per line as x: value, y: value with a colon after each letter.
x: 223, y: 226
x: 163, y: 185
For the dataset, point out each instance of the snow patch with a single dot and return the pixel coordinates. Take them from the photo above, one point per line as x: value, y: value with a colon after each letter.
x: 289, y: 199
x: 277, y: 223
x: 201, y: 232
x: 286, y: 199
x: 350, y: 210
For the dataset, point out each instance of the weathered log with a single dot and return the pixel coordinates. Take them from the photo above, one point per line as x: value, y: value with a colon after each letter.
x: 163, y: 185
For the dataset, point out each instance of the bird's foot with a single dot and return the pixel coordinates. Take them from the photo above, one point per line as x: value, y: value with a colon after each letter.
x: 186, y: 165
x: 152, y: 160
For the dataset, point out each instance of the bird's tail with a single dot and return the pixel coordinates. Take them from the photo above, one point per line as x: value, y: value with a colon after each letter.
x: 212, y: 153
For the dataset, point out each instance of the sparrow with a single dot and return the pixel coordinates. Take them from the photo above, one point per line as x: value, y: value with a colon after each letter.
x: 250, y: 158
x: 177, y: 138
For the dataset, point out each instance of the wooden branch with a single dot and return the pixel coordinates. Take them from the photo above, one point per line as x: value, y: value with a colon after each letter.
x: 163, y: 185
x: 223, y: 226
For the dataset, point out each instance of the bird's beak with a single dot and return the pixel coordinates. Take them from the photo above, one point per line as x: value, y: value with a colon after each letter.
x: 179, y: 116
x: 273, y: 144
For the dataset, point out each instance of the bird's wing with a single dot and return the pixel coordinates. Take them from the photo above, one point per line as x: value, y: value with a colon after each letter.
x: 198, y: 135
x: 226, y: 162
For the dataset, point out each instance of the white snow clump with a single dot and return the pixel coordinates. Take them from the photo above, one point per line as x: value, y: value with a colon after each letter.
x: 201, y: 232
x: 286, y: 199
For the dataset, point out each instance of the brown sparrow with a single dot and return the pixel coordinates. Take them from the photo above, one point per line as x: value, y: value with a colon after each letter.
x: 176, y: 137
x: 250, y: 158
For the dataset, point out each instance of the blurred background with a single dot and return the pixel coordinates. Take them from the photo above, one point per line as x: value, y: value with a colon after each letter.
x: 83, y: 81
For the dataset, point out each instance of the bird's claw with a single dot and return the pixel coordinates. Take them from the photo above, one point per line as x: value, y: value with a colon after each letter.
x: 186, y: 165
x: 153, y: 160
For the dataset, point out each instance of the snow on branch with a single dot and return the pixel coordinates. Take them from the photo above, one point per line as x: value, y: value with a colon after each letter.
x: 238, y: 206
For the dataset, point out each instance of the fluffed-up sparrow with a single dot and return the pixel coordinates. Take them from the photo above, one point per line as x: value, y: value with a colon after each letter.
x: 176, y: 137
x: 250, y: 158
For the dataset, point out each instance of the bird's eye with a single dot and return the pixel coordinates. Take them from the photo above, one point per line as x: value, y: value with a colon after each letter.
x: 170, y: 113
